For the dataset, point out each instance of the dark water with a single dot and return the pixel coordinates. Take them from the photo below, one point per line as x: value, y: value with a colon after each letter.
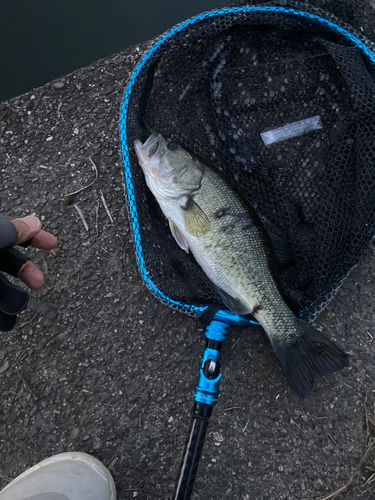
x: 41, y: 40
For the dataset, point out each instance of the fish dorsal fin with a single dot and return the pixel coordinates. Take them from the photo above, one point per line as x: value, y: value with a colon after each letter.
x: 178, y: 236
x: 232, y: 304
x: 282, y: 252
x: 196, y: 221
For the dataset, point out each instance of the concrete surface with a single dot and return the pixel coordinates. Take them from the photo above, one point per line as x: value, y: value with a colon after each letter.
x: 97, y: 364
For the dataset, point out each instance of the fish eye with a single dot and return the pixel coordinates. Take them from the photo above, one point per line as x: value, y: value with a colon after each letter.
x: 172, y: 146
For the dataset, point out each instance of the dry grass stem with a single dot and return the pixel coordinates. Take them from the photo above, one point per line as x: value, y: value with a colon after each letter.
x: 20, y: 446
x: 344, y: 487
x: 88, y: 185
x: 96, y: 218
x: 6, y: 478
x: 26, y: 385
x: 112, y: 463
x: 80, y: 213
x: 106, y: 206
x: 332, y: 439
x: 234, y: 345
x: 299, y: 427
x: 132, y: 408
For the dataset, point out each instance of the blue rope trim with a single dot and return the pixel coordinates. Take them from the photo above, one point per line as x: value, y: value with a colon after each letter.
x: 194, y: 309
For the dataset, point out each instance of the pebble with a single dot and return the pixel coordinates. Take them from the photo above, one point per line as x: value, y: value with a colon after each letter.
x: 63, y: 335
x: 107, y: 90
x: 218, y: 437
x: 46, y: 310
x: 151, y: 312
x: 352, y: 341
x: 74, y: 434
x: 4, y: 366
x: 58, y: 85
x: 17, y: 180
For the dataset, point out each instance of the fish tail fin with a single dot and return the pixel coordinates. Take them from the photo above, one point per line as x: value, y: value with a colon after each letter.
x: 306, y: 354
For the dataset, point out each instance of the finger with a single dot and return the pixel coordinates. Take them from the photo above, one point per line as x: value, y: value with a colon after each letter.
x: 44, y: 241
x: 27, y: 228
x: 31, y: 276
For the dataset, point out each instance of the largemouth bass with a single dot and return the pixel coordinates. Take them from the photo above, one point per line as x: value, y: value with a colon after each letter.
x: 230, y: 244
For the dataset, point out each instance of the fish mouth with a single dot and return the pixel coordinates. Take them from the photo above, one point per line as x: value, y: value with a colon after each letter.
x: 152, y: 144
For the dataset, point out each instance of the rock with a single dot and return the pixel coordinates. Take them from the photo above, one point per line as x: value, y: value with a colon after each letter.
x: 45, y: 309
x: 17, y: 180
x: 4, y: 366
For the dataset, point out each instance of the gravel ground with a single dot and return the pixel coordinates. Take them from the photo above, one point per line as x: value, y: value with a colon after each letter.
x: 97, y: 364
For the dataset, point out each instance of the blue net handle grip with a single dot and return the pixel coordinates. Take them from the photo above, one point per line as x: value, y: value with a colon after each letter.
x: 207, y: 389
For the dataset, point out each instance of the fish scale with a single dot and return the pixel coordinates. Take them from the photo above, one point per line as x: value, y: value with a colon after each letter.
x: 232, y: 247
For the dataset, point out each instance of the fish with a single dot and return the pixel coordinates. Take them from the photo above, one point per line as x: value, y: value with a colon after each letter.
x: 230, y: 244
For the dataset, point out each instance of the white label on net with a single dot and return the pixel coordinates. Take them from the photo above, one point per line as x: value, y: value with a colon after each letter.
x: 291, y: 130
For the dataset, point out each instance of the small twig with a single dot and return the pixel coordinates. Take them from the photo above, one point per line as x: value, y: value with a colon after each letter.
x: 247, y: 423
x: 345, y: 486
x: 371, y: 479
x: 20, y: 446
x: 131, y: 409
x: 26, y: 385
x: 80, y: 213
x: 331, y: 438
x: 233, y: 346
x: 232, y: 408
x: 6, y: 478
x: 96, y: 218
x: 106, y: 206
x: 88, y: 185
x: 161, y: 409
x: 112, y: 464
x: 300, y: 428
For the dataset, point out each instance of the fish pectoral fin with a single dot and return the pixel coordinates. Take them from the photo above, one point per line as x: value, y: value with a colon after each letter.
x: 306, y: 354
x: 178, y: 236
x: 196, y: 221
x: 282, y: 252
x: 232, y: 304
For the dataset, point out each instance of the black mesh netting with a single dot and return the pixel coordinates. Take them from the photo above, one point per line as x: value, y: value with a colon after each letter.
x: 219, y: 84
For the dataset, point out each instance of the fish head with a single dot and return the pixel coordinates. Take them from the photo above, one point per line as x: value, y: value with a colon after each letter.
x: 170, y: 171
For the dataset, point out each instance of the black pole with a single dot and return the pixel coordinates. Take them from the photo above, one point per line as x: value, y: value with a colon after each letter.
x: 206, y: 394
x: 193, y: 451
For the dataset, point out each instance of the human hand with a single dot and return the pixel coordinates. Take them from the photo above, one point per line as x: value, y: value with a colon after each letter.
x: 26, y: 230
x: 30, y: 228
